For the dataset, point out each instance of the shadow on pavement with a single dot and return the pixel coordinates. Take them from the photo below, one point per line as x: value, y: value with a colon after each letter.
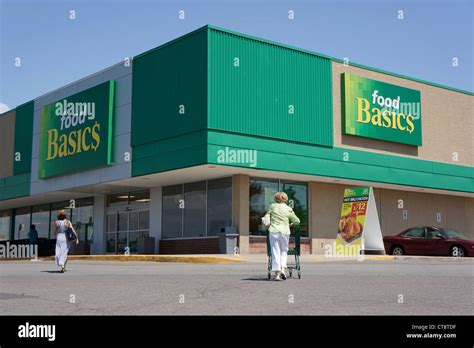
x: 257, y: 278
x: 51, y: 271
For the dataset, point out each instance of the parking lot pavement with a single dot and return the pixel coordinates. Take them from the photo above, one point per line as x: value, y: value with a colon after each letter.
x: 400, y: 286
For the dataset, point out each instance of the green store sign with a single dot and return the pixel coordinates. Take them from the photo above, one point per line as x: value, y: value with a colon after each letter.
x: 76, y: 132
x: 380, y: 110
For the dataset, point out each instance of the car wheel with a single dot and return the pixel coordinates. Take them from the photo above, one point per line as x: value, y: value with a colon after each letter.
x: 397, y: 250
x: 457, y: 251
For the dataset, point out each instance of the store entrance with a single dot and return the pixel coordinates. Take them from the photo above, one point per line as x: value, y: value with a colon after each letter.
x: 126, y: 223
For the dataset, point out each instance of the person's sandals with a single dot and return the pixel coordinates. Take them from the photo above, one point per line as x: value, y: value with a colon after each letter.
x: 283, y: 275
x: 278, y: 276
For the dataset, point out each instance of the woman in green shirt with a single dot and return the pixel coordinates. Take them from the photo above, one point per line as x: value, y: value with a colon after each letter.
x: 280, y: 216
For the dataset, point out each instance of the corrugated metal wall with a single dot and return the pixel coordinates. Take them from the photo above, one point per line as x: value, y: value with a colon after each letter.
x: 256, y: 96
x: 171, y: 75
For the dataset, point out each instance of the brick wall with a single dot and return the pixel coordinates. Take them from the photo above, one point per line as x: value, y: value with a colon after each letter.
x: 258, y: 245
x: 189, y: 246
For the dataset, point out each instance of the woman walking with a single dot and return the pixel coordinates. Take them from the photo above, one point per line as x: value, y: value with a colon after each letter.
x: 61, y: 225
x: 281, y: 216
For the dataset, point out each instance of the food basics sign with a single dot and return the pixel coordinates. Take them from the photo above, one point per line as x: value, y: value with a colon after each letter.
x: 380, y: 110
x: 76, y: 132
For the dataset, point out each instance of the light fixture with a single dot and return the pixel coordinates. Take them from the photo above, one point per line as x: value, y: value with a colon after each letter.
x: 143, y: 200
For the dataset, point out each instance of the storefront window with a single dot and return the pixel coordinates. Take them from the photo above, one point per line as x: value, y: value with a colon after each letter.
x: 298, y: 200
x: 261, y: 196
x: 198, y: 209
x: 195, y: 209
x: 83, y: 218
x: 140, y: 196
x: 118, y: 198
x: 5, y: 221
x: 22, y: 222
x: 40, y: 219
x: 219, y: 205
x: 172, y: 219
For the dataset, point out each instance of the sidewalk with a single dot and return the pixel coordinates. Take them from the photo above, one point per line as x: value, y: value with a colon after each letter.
x: 250, y: 258
x: 213, y: 258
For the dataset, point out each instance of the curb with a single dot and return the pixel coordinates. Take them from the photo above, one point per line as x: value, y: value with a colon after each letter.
x: 151, y: 258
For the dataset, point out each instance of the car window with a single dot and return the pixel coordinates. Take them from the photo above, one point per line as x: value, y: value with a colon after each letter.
x: 415, y: 232
x: 454, y: 234
x: 431, y: 232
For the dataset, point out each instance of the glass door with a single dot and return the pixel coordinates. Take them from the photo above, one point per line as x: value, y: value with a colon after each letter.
x: 124, y: 228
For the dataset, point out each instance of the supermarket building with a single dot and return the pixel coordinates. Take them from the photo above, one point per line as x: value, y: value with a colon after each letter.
x: 198, y: 134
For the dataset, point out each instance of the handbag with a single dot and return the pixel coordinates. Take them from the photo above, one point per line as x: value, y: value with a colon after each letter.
x: 70, y: 235
x: 266, y: 222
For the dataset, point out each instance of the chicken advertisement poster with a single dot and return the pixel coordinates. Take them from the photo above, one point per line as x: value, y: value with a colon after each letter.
x: 359, y: 227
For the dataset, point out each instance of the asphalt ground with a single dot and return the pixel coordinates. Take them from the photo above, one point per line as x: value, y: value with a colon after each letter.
x: 404, y: 286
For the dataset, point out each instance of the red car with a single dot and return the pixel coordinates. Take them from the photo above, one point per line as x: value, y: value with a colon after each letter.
x: 426, y: 240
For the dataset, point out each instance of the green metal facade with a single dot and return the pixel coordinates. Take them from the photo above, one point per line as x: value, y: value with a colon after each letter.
x: 247, y: 85
x: 169, y: 101
x: 261, y: 89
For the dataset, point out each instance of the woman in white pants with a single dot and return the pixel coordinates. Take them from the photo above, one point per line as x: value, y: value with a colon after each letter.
x: 281, y: 216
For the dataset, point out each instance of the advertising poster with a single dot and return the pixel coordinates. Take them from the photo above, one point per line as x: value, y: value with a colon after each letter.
x: 359, y: 227
x: 352, y: 219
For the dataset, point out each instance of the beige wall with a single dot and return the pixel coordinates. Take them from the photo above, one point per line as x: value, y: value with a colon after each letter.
x: 447, y: 121
x: 326, y: 200
x: 240, y: 209
x: 7, y: 143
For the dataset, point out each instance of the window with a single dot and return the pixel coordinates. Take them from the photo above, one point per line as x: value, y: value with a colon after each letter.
x: 262, y: 195
x: 117, y: 199
x: 40, y: 219
x: 432, y: 233
x: 172, y: 219
x: 417, y: 232
x: 5, y: 221
x: 83, y: 218
x: 140, y: 196
x: 298, y: 200
x: 454, y: 234
x: 219, y: 205
x: 195, y: 209
x: 22, y: 222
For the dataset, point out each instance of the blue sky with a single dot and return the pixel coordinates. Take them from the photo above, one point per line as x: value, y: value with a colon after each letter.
x: 55, y: 50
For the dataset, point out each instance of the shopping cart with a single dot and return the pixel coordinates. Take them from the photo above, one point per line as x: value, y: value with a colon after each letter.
x: 296, y: 234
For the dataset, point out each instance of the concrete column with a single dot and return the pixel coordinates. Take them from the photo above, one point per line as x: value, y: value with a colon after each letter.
x: 325, y: 208
x: 98, y: 245
x: 156, y: 195
x: 240, y: 210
